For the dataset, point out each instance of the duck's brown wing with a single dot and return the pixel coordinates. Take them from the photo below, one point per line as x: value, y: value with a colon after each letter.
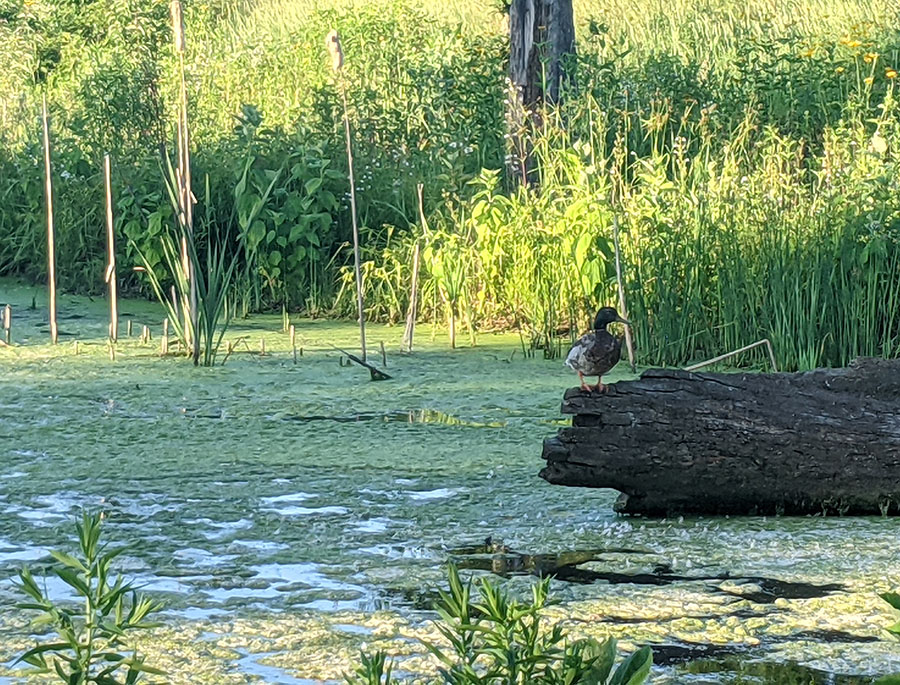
x: 603, y: 354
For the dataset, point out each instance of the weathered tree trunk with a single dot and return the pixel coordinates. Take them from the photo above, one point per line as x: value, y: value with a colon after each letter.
x: 825, y: 441
x: 541, y: 35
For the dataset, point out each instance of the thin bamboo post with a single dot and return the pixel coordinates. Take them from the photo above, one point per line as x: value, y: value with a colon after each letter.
x: 51, y: 236
x: 129, y: 328
x: 145, y: 335
x: 383, y: 354
x: 293, y: 334
x: 412, y: 312
x: 622, y: 310
x: 111, y: 257
x: 262, y: 347
x: 75, y: 347
x: 111, y: 346
x: 164, y: 340
x: 7, y: 324
x: 333, y: 43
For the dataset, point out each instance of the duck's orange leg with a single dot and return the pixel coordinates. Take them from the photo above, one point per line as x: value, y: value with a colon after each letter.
x: 600, y: 387
x: 584, y: 386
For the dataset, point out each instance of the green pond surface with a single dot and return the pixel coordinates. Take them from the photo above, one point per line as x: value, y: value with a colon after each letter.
x: 293, y: 514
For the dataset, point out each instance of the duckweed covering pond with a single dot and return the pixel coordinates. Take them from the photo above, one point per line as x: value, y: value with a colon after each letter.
x: 293, y: 514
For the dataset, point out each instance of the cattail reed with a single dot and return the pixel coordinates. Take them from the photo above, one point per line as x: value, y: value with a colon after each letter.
x: 412, y: 313
x: 622, y: 309
x: 333, y: 44
x: 185, y: 198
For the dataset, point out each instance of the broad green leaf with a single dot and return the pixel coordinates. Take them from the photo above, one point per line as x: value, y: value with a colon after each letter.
x: 604, y: 656
x: 635, y: 669
x: 312, y: 185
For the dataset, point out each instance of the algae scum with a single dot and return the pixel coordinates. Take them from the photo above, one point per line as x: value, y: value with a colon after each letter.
x: 291, y: 515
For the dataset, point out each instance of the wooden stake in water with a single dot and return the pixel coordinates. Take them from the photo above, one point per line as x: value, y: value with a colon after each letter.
x: 262, y: 347
x: 164, y: 340
x: 129, y: 328
x: 293, y: 334
x: 145, y: 335
x: 622, y: 310
x: 173, y: 294
x: 111, y: 258
x: 412, y: 312
x: 7, y: 324
x: 51, y: 237
x: 333, y: 43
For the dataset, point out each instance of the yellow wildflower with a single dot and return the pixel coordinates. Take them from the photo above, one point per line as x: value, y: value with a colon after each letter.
x: 808, y: 53
x: 891, y: 73
x: 870, y: 57
x: 852, y: 43
x: 869, y: 80
x: 839, y: 70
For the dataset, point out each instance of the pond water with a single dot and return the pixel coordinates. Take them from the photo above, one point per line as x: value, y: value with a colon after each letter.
x: 292, y: 514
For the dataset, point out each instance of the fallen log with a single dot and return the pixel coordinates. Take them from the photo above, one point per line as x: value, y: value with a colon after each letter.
x: 819, y: 442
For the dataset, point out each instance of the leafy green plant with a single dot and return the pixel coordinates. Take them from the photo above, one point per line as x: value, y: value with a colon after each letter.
x: 213, y: 288
x: 214, y: 273
x: 494, y: 639
x: 93, y: 641
x: 372, y: 670
x: 893, y: 599
x: 445, y: 257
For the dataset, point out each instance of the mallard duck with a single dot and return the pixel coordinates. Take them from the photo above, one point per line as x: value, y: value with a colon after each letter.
x: 596, y: 352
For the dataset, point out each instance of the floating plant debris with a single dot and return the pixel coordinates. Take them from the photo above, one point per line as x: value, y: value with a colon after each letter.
x: 427, y: 416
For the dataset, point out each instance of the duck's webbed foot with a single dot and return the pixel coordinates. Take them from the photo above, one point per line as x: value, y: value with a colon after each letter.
x: 600, y: 387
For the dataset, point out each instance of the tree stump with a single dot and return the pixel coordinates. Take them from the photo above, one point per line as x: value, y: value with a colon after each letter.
x: 824, y: 441
x: 541, y: 36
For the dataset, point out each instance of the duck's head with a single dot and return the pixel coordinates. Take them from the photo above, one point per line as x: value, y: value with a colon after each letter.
x: 605, y: 316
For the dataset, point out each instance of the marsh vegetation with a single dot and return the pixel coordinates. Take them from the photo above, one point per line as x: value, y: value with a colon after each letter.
x: 748, y: 151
